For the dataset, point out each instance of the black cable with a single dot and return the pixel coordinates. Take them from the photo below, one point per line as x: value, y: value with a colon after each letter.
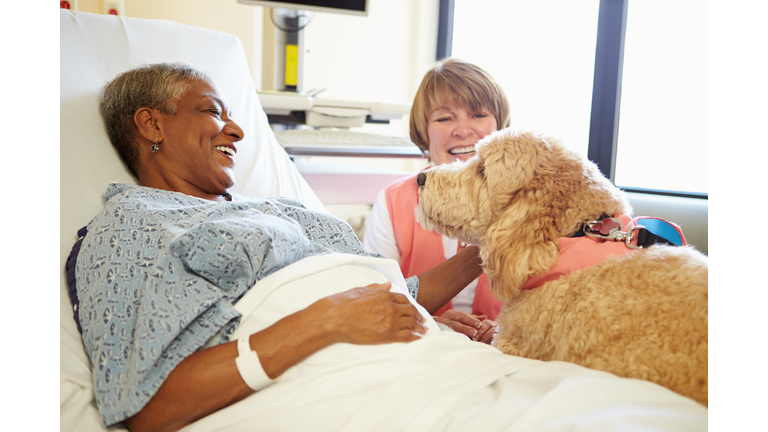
x: 272, y: 18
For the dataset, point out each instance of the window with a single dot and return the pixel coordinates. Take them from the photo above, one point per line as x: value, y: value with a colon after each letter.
x: 650, y: 56
x: 542, y: 53
x: 662, y: 139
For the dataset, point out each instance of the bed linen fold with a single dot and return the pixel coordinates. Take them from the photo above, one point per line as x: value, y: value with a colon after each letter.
x: 443, y: 381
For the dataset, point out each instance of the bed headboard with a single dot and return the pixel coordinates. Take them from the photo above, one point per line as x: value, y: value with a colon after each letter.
x: 94, y: 49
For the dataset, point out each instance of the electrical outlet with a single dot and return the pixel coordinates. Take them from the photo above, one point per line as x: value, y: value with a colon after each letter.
x: 112, y: 7
x: 68, y: 4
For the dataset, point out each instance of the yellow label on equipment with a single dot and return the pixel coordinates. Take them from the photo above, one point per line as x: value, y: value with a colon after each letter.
x: 291, y: 65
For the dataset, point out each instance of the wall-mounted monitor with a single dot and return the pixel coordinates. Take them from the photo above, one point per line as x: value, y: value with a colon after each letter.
x: 353, y: 7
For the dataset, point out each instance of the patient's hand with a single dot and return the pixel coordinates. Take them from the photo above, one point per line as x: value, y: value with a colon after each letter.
x: 209, y: 380
x: 371, y: 315
x: 475, y: 327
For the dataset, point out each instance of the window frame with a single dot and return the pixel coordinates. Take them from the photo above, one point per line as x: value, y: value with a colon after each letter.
x: 445, y: 29
x: 606, y: 88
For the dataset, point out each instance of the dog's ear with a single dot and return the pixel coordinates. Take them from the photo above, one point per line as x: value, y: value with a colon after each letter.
x: 518, y: 245
x: 509, y: 159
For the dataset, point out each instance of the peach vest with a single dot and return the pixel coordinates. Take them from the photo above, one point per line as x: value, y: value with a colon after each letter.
x: 421, y: 250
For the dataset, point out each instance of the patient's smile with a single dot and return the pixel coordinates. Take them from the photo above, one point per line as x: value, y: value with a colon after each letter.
x: 226, y: 150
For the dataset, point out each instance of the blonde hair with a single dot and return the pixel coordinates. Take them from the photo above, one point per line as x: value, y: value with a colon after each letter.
x: 157, y: 86
x: 456, y: 82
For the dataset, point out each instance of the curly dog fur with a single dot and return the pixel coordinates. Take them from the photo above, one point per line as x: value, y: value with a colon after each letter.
x: 643, y: 315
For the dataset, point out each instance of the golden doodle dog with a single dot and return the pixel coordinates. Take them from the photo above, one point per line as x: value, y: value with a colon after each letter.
x: 526, y: 200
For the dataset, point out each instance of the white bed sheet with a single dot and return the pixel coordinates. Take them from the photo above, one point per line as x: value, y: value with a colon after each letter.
x: 442, y: 382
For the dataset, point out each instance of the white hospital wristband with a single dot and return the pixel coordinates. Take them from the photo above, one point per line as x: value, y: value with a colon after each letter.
x: 249, y: 366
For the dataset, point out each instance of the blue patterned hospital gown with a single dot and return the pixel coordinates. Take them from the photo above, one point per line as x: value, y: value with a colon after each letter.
x: 158, y: 274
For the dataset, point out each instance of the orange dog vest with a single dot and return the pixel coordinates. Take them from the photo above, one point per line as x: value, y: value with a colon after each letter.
x: 581, y: 252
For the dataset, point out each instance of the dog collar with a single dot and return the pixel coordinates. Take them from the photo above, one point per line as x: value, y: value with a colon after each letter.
x: 592, y: 245
x: 580, y: 232
x: 642, y: 232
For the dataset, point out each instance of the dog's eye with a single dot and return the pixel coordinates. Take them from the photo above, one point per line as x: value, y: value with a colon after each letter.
x: 481, y: 171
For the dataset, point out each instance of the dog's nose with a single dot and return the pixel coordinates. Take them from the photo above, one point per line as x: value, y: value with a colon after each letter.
x: 421, y: 179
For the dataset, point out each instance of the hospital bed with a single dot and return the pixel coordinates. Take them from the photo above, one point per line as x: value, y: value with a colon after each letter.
x: 343, y: 388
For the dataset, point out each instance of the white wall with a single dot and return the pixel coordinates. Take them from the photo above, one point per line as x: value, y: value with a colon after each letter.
x: 373, y: 57
x: 227, y: 16
x: 380, y: 57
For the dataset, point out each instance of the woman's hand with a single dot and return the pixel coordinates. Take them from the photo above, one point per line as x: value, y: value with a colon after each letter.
x: 371, y: 315
x: 475, y: 327
x: 208, y: 380
x: 486, y: 332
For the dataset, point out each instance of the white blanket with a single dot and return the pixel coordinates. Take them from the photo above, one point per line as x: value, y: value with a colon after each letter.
x: 442, y: 382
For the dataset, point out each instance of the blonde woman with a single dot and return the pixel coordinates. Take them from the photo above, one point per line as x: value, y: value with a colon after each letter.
x: 456, y: 105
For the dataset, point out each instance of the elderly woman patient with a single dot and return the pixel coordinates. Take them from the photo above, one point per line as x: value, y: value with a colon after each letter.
x: 162, y: 265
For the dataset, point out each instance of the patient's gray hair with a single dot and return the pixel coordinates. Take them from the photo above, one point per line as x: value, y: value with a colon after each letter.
x: 157, y: 86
